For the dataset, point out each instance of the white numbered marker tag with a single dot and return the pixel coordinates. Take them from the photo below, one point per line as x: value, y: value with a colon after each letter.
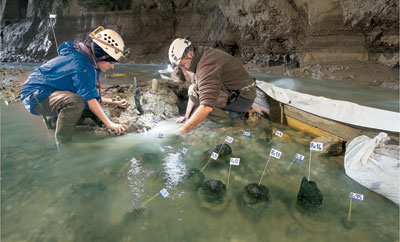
x: 275, y: 153
x: 234, y: 161
x: 356, y: 196
x: 278, y: 133
x: 183, y: 151
x: 214, y: 156
x: 316, y: 146
x: 246, y: 134
x: 155, y: 121
x: 53, y: 16
x: 229, y: 139
x: 160, y: 136
x: 299, y: 157
x: 148, y: 94
x: 164, y: 193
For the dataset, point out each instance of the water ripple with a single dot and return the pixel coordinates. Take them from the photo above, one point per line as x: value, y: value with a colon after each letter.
x: 174, y: 169
x: 137, y: 175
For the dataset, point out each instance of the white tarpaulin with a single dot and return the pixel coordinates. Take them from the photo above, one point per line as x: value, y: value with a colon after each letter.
x: 342, y: 111
x: 374, y: 164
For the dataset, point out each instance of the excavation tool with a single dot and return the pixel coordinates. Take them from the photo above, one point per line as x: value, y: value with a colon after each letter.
x: 137, y: 99
x: 53, y: 16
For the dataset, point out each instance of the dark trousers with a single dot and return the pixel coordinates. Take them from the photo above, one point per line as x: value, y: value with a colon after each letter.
x: 67, y: 107
x: 229, y: 106
x: 233, y: 110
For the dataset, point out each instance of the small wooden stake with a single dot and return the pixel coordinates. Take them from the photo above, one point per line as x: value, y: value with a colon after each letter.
x: 154, y: 196
x: 349, y: 216
x: 229, y: 174
x: 291, y: 164
x: 309, y: 168
x: 265, y: 168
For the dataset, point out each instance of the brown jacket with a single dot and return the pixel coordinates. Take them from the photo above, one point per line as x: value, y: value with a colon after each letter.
x: 215, y: 70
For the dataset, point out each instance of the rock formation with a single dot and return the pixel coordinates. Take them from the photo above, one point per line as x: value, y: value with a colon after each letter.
x: 291, y: 32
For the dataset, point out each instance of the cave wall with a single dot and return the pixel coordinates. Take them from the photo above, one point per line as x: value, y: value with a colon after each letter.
x: 264, y: 32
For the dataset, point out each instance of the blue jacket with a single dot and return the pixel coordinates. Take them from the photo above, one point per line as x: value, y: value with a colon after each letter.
x: 70, y: 71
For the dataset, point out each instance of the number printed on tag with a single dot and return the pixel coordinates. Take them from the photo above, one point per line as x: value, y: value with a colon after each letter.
x: 316, y: 146
x: 214, y: 156
x: 356, y: 196
x: 234, y: 161
x: 229, y: 139
x: 299, y: 157
x: 183, y: 151
x: 275, y: 153
x: 278, y: 133
x: 160, y: 136
x: 246, y: 134
x: 155, y: 121
x: 164, y: 193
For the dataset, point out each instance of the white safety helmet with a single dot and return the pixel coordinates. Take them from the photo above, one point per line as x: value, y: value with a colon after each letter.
x: 177, y: 50
x: 110, y: 41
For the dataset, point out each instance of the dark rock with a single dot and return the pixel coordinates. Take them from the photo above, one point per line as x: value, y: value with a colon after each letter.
x: 253, y: 201
x: 225, y: 150
x: 223, y: 155
x: 213, y: 196
x: 254, y: 193
x: 309, y: 197
x: 213, y: 191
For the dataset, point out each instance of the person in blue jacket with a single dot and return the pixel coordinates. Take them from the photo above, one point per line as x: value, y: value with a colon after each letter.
x: 66, y: 85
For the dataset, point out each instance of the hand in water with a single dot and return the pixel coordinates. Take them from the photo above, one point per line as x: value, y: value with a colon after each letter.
x: 118, y: 128
x: 181, y: 119
x: 174, y: 131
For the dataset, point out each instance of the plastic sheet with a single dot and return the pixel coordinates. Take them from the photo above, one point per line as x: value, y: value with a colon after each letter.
x: 342, y: 111
x: 374, y: 165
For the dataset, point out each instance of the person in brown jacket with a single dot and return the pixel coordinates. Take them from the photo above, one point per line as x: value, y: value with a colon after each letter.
x: 221, y: 88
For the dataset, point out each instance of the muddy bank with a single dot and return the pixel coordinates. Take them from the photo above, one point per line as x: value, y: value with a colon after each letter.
x: 158, y: 99
x: 10, y: 84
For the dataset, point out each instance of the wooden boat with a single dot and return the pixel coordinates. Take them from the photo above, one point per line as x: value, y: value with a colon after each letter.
x: 319, y: 122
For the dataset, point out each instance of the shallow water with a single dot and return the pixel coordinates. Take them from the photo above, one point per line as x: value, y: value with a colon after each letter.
x: 94, y: 189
